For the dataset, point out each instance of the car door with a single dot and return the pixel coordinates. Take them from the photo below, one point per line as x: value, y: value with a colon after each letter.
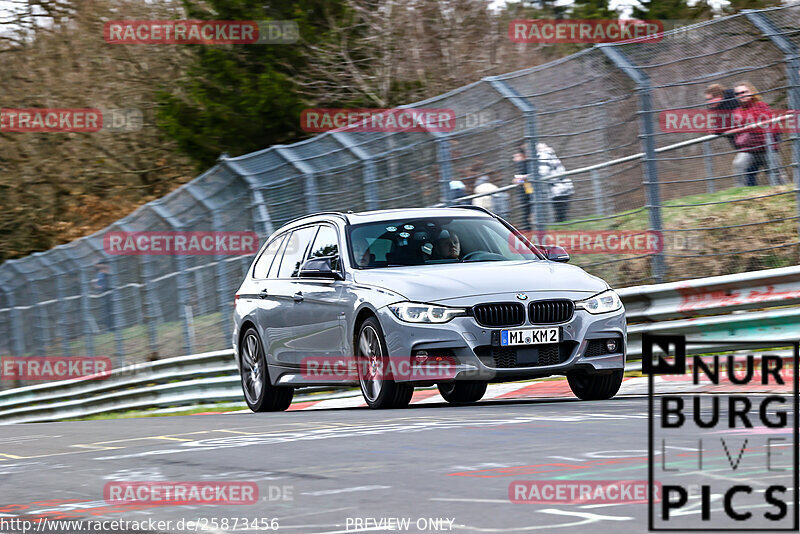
x: 318, y: 313
x: 283, y: 316
x: 266, y: 289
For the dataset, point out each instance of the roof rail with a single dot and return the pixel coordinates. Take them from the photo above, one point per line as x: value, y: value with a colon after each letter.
x: 472, y: 207
x: 337, y: 213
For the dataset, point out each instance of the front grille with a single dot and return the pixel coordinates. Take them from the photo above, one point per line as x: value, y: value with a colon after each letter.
x: 499, y: 314
x: 513, y: 357
x: 551, y: 311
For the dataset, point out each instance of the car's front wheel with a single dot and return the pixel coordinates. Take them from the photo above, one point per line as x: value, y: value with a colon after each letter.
x: 375, y: 371
x: 462, y: 392
x: 259, y: 393
x: 594, y: 386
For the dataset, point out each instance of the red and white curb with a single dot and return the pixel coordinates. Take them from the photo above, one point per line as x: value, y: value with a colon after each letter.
x: 542, y: 389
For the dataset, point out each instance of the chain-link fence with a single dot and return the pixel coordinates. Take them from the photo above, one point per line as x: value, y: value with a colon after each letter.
x: 598, y: 110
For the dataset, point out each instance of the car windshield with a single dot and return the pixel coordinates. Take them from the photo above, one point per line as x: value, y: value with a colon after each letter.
x: 434, y: 240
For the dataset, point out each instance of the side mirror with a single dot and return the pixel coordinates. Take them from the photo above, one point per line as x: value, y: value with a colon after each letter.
x: 321, y: 268
x: 555, y: 253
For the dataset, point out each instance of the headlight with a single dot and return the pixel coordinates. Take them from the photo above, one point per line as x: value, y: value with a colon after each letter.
x: 607, y: 301
x: 416, y: 312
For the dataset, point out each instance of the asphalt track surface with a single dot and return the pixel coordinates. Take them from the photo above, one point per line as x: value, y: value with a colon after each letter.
x: 443, y: 468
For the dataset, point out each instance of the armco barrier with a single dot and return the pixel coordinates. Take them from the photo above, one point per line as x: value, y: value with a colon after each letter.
x: 733, y: 307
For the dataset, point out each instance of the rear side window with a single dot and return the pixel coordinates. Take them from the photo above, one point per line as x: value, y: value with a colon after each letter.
x: 266, y: 259
x: 326, y: 244
x: 296, y: 247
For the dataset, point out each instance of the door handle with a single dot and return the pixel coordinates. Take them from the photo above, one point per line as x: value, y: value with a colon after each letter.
x: 298, y: 297
x: 263, y: 294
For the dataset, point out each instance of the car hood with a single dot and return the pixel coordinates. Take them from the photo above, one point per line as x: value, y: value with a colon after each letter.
x: 437, y: 283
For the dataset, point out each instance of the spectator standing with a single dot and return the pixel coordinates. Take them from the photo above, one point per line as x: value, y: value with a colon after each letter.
x: 723, y: 103
x: 561, y: 187
x: 494, y: 202
x: 750, y: 142
x: 525, y: 190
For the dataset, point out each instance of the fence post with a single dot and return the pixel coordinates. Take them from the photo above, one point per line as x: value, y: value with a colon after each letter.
x: 368, y: 166
x: 791, y: 58
x: 148, y: 298
x: 17, y: 332
x: 707, y: 158
x: 597, y: 191
x: 444, y: 159
x: 262, y: 222
x: 183, y: 283
x: 312, y: 206
x: 541, y: 200
x: 224, y: 294
x: 63, y: 308
x: 647, y: 129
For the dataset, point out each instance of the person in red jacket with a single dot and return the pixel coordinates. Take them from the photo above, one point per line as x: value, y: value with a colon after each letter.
x: 750, y: 142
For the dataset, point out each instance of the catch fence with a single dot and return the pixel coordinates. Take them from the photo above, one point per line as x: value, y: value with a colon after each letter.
x: 597, y: 109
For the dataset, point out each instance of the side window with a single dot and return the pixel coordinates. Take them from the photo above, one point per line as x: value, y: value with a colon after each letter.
x: 273, y: 270
x: 296, y: 247
x: 326, y: 244
x: 265, y: 260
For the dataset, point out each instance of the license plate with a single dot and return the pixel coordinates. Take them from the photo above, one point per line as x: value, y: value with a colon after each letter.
x: 529, y: 336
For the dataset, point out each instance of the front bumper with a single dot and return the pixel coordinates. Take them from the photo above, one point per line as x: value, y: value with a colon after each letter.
x: 470, y: 345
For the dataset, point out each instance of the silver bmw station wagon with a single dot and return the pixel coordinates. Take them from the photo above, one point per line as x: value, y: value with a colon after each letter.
x: 396, y: 299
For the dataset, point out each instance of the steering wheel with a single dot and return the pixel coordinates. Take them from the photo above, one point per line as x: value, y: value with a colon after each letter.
x: 473, y: 253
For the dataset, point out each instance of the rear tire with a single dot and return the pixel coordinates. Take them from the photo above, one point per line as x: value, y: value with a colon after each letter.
x: 378, y: 389
x: 462, y: 392
x: 594, y: 386
x: 259, y: 393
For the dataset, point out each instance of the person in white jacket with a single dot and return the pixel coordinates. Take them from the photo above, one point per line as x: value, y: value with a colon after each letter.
x: 561, y: 188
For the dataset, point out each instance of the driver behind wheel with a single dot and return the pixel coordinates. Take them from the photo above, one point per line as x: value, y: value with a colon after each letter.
x: 447, y: 247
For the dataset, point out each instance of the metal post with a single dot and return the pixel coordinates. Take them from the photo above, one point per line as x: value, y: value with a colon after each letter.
x: 86, y: 310
x: 791, y: 58
x: 444, y: 159
x: 63, y: 308
x: 707, y: 157
x: 262, y: 223
x: 312, y: 206
x: 368, y: 166
x: 541, y: 200
x: 647, y: 128
x: 599, y: 197
x: 183, y: 283
x: 224, y: 293
x: 152, y: 311
x: 116, y: 310
x: 17, y: 333
x: 772, y: 161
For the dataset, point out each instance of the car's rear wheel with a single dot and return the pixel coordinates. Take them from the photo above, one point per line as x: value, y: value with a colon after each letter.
x: 375, y: 372
x: 259, y: 393
x: 463, y: 391
x: 594, y: 386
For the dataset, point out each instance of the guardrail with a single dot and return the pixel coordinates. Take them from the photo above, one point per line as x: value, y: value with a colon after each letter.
x: 733, y: 307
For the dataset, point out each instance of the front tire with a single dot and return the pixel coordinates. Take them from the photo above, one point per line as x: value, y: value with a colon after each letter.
x: 259, y: 393
x: 462, y: 392
x: 374, y: 370
x: 594, y: 386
